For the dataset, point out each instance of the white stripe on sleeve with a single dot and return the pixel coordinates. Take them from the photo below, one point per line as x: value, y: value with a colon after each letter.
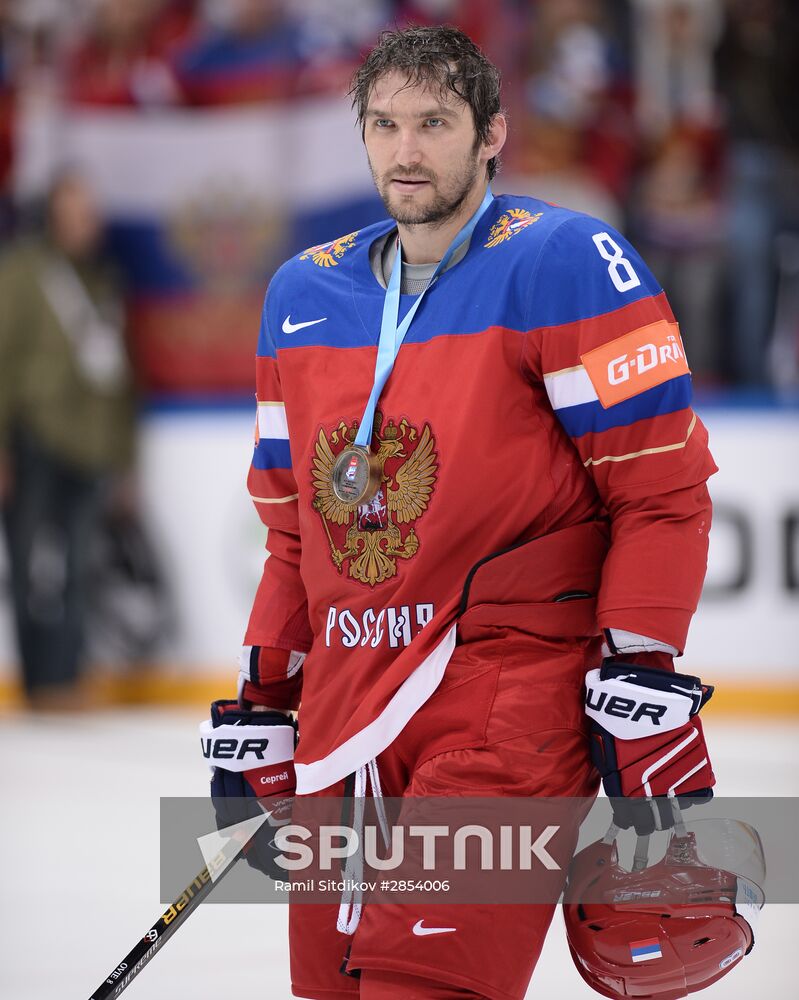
x: 569, y: 388
x: 272, y: 421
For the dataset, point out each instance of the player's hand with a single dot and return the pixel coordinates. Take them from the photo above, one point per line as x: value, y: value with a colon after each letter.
x: 251, y: 754
x: 647, y: 741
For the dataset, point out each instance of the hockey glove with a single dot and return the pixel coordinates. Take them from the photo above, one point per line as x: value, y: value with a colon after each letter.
x: 252, y: 771
x: 647, y: 741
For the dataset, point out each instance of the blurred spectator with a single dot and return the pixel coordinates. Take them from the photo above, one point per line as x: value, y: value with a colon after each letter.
x: 248, y: 50
x: 23, y: 48
x: 574, y: 140
x: 758, y: 66
x: 636, y: 111
x: 66, y: 428
x: 784, y: 354
x: 344, y: 28
x: 7, y: 95
x: 123, y: 60
x: 678, y: 213
x: 570, y: 68
x: 472, y: 16
x: 674, y: 45
x: 679, y: 229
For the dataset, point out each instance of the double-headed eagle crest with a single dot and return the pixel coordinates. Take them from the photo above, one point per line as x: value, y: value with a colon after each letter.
x: 329, y: 254
x: 509, y: 224
x: 374, y: 539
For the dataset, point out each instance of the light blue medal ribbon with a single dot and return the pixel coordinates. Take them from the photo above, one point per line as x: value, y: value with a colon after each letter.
x: 392, y: 333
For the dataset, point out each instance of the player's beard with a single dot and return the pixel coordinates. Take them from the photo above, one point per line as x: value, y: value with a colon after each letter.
x: 445, y: 203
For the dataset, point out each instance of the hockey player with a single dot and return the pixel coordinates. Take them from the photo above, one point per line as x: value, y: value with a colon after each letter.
x: 481, y: 474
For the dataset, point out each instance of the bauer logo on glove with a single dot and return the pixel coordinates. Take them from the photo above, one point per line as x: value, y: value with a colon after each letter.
x: 631, y: 701
x: 241, y: 754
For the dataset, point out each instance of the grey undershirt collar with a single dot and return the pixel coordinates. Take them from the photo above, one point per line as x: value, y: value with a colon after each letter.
x: 415, y: 277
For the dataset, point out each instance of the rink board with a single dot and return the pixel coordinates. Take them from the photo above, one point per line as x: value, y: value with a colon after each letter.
x: 193, y: 469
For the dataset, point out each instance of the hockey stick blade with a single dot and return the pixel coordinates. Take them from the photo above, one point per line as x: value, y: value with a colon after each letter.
x: 179, y: 911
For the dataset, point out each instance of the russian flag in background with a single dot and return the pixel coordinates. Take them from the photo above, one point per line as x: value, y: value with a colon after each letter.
x: 646, y: 950
x: 204, y: 205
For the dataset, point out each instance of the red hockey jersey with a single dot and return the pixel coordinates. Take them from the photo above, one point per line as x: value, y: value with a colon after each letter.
x: 542, y: 385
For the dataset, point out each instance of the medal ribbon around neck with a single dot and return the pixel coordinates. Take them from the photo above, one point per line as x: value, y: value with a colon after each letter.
x: 392, y: 333
x: 356, y: 473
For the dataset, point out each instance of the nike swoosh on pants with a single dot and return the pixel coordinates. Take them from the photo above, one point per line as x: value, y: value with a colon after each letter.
x: 421, y: 931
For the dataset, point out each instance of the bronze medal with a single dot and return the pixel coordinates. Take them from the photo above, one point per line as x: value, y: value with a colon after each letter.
x: 356, y: 475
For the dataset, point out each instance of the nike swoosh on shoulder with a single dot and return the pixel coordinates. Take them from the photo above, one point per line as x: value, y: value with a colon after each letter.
x: 289, y: 327
x: 421, y: 931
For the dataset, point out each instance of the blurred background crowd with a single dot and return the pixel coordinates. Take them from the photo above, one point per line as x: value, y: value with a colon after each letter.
x: 676, y: 120
x: 159, y: 158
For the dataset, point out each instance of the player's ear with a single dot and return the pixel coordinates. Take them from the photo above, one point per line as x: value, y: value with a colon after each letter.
x: 497, y: 134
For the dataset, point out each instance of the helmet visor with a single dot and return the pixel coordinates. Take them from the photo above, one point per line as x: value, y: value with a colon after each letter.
x: 734, y: 846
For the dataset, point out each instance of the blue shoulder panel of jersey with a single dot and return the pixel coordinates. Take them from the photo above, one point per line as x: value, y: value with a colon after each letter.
x: 586, y: 269
x: 310, y: 299
x: 266, y: 345
x: 315, y: 296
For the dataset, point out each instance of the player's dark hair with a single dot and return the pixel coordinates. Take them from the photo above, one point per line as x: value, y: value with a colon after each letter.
x: 440, y: 56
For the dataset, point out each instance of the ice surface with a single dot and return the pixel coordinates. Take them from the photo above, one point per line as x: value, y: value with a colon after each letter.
x: 79, y: 884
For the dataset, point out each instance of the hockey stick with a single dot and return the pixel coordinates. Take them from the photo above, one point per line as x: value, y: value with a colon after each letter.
x: 178, y: 912
x: 166, y: 925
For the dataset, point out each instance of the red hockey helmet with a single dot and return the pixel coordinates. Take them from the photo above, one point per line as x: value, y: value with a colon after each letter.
x: 671, y: 928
